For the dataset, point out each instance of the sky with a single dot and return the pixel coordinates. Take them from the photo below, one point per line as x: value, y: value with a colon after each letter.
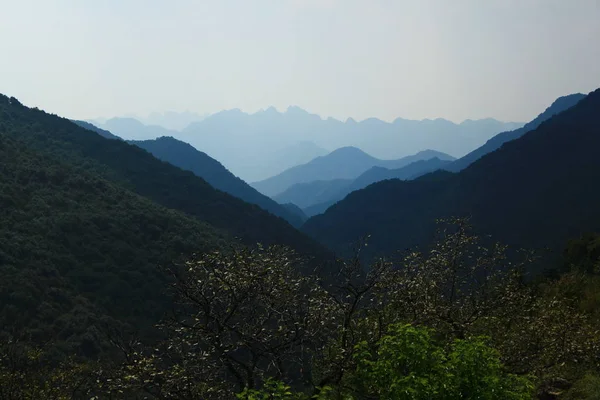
x: 453, y: 59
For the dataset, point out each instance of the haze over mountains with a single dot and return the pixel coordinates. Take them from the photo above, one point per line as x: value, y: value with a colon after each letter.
x: 222, y: 135
x: 184, y: 156
x: 315, y: 197
x: 559, y: 105
x: 315, y: 185
x: 533, y: 191
x: 343, y: 163
x: 129, y: 128
x: 254, y: 146
x: 170, y: 120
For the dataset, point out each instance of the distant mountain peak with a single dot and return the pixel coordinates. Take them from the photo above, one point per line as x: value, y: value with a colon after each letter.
x: 372, y: 120
x: 568, y: 99
x: 129, y: 120
x: 231, y: 111
x: 487, y: 120
x: 347, y: 150
x: 296, y: 110
x: 428, y: 153
x: 223, y: 115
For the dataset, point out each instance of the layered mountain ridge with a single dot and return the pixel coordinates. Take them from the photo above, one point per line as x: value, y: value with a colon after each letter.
x: 532, y: 191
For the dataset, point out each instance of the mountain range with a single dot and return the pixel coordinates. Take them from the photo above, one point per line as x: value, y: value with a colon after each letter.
x: 172, y: 120
x: 186, y: 157
x: 559, y: 105
x: 90, y: 226
x: 92, y: 222
x: 534, y: 191
x: 91, y: 127
x: 129, y: 128
x: 242, y: 141
x: 316, y: 197
x: 260, y: 145
x: 343, y: 163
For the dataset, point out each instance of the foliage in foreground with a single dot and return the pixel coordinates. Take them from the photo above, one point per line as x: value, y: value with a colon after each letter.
x: 407, y: 363
x: 246, y: 323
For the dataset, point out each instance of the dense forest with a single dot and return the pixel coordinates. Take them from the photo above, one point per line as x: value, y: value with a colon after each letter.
x: 90, y: 225
x: 76, y: 250
x: 455, y: 322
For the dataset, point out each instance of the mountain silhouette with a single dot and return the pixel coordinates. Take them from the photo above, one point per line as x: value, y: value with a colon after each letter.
x: 343, y: 163
x: 186, y: 157
x: 172, y: 120
x: 316, y: 197
x: 537, y: 190
x: 308, y: 194
x: 559, y: 105
x: 131, y: 129
x: 411, y: 171
x: 245, y: 143
x: 91, y: 224
x: 140, y: 172
x: 78, y: 249
x: 91, y: 127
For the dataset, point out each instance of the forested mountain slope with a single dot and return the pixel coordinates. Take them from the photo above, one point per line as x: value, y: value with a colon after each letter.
x: 102, y: 132
x: 78, y: 252
x: 534, y: 191
x: 142, y: 173
x: 186, y: 157
x: 132, y: 129
x: 559, y: 105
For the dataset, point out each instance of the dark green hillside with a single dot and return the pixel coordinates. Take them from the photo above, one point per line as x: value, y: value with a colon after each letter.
x: 535, y: 191
x: 186, y: 157
x: 561, y: 104
x: 76, y: 249
x: 102, y: 132
x: 139, y: 171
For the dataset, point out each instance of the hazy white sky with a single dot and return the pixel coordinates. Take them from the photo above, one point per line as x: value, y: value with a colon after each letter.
x: 454, y: 59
